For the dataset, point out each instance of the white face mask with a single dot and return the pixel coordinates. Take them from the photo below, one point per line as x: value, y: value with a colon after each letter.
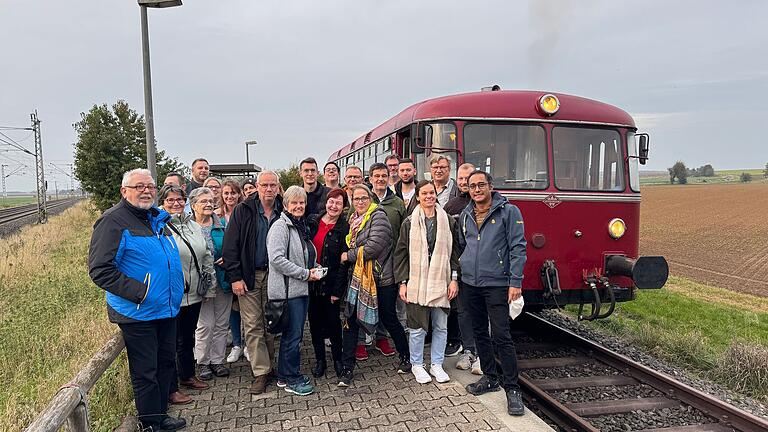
x: 516, y: 307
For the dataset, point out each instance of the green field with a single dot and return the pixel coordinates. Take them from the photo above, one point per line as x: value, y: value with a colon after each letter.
x: 715, y: 333
x: 721, y: 176
x: 16, y: 201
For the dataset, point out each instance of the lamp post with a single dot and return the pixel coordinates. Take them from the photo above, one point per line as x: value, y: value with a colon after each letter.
x: 247, y: 157
x: 148, y: 114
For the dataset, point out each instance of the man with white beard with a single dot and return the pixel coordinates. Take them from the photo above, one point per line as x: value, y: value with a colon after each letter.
x: 134, y: 258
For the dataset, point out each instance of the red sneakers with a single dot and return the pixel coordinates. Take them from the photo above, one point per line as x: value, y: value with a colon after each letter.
x: 384, y: 347
x: 360, y: 353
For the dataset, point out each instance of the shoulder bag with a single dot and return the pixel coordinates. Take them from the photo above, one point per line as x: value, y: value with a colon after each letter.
x: 274, y: 309
x: 204, y: 280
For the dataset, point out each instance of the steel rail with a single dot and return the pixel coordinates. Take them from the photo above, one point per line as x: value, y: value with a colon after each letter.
x: 728, y: 415
x: 18, y: 212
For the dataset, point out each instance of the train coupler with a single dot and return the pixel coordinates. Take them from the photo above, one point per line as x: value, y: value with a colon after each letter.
x: 550, y: 279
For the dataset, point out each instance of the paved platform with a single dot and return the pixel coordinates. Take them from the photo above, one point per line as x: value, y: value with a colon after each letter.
x: 380, y: 400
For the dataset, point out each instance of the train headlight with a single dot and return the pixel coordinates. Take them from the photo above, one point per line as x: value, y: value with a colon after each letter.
x: 616, y: 228
x: 549, y: 104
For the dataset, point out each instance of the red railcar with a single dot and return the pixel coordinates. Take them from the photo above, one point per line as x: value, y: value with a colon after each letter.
x: 569, y: 163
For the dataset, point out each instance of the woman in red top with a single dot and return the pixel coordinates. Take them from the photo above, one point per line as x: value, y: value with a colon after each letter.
x: 328, y: 230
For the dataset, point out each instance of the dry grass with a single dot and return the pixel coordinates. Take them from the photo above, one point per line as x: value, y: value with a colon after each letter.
x: 713, y: 234
x: 52, y: 320
x: 745, y: 366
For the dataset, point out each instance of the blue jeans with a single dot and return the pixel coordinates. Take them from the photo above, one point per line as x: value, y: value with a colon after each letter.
x: 416, y: 337
x: 289, y: 358
x: 234, y: 325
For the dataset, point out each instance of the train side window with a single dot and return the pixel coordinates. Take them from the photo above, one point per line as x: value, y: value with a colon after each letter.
x: 436, y: 135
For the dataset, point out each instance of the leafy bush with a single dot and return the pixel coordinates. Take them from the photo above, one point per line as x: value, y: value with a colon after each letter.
x: 745, y: 177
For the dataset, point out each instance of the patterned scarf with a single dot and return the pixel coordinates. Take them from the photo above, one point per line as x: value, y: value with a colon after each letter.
x: 356, y: 223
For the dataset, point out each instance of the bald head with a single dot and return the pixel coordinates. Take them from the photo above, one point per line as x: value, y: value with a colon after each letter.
x: 462, y: 176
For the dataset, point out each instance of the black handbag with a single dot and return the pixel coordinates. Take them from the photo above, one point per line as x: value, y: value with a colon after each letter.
x: 204, y: 280
x: 274, y: 310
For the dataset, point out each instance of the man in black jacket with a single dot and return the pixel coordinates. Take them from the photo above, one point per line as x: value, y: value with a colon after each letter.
x: 460, y: 333
x: 246, y: 265
x: 317, y: 193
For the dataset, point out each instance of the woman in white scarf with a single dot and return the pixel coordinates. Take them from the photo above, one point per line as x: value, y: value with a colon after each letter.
x: 426, y: 265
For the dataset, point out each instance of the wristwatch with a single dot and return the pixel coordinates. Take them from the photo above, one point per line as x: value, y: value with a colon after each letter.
x: 454, y: 275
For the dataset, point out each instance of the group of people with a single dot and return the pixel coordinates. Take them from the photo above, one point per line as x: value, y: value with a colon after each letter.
x: 380, y: 257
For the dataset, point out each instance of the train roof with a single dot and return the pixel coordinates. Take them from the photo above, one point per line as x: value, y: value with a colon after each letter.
x: 496, y: 105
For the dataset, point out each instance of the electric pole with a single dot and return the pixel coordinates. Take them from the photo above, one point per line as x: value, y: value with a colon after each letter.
x: 2, y: 174
x: 42, y: 216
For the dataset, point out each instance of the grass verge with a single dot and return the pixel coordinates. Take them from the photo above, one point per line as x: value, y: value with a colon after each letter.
x: 52, y: 320
x: 715, y: 333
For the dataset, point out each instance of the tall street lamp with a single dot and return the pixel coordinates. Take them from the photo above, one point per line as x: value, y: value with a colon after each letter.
x: 247, y: 144
x: 148, y: 114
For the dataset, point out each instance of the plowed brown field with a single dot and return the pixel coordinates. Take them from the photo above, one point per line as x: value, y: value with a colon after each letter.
x: 714, y: 234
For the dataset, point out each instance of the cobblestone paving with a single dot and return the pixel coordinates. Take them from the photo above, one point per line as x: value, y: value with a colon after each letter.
x: 380, y: 400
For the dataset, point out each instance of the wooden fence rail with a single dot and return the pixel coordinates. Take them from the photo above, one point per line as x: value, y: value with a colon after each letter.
x: 70, y: 404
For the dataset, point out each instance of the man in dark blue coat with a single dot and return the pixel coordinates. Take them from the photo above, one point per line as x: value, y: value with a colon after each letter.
x: 134, y: 258
x: 492, y: 274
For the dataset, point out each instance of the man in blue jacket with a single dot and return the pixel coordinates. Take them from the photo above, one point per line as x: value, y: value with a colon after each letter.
x: 492, y: 275
x: 134, y: 258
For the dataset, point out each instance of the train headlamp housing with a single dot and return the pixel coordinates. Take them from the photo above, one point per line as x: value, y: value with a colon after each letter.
x: 616, y: 228
x: 549, y: 104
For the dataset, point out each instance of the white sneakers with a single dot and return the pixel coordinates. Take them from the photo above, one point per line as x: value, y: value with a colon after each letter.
x: 245, y: 354
x: 476, y: 369
x: 438, y: 372
x: 235, y: 354
x: 421, y: 375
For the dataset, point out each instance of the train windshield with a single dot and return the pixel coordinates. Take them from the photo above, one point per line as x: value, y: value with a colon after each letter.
x: 514, y: 154
x: 587, y: 159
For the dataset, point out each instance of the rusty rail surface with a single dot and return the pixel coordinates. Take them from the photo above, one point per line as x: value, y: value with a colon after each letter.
x: 70, y: 404
x: 575, y: 416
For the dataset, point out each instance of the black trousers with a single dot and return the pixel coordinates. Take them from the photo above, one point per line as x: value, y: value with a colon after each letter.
x: 387, y: 297
x: 151, y: 347
x: 454, y: 331
x: 486, y: 303
x: 186, y: 324
x: 324, y: 322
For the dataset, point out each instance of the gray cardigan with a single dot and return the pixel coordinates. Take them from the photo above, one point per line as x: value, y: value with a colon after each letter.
x: 193, y: 233
x: 294, y: 265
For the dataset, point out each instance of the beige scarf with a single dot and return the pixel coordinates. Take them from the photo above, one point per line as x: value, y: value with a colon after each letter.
x: 428, y: 279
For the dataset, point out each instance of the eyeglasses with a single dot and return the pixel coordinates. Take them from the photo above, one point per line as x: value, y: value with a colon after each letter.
x: 214, y: 187
x: 204, y: 201
x: 441, y: 167
x: 478, y: 186
x: 175, y: 200
x: 361, y: 199
x: 141, y: 187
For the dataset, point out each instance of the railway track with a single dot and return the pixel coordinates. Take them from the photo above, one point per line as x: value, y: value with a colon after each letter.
x: 582, y: 386
x: 14, y: 213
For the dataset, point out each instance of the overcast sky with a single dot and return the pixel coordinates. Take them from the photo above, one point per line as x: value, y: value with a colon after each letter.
x: 307, y: 77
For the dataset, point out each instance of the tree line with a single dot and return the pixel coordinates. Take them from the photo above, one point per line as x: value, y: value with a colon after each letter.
x: 680, y: 173
x: 112, y: 140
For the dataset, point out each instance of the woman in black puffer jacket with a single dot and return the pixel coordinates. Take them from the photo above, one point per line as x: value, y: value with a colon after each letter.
x: 327, y: 231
